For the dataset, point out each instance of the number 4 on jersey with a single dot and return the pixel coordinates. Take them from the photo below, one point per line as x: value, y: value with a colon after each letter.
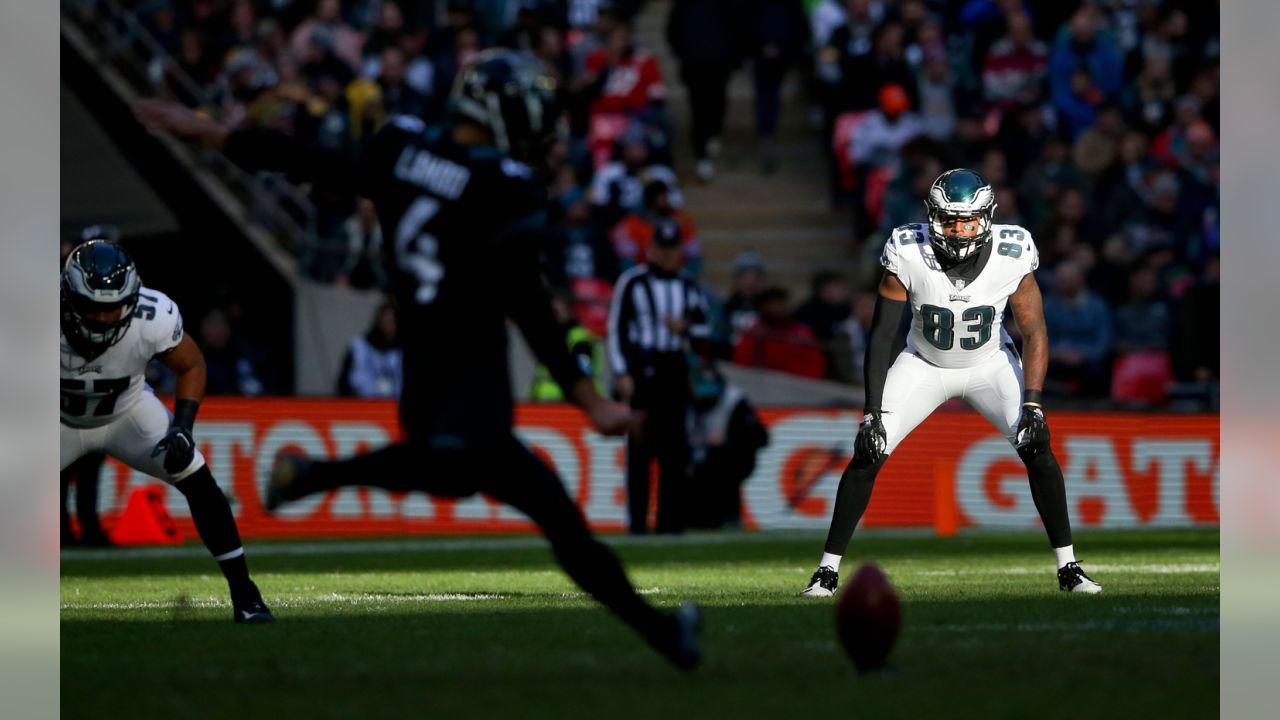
x: 417, y: 251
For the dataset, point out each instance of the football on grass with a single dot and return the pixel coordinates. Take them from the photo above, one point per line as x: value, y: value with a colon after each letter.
x: 868, y: 617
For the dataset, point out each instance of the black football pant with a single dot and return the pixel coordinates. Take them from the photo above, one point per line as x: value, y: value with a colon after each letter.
x: 506, y: 471
x: 83, y: 474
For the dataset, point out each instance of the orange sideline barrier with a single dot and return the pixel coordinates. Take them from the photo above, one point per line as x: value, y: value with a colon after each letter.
x: 1122, y: 470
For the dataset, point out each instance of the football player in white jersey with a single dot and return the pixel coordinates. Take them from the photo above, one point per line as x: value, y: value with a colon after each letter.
x: 112, y: 327
x: 959, y: 271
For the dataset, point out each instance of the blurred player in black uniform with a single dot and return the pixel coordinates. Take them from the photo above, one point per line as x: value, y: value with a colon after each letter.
x: 464, y: 216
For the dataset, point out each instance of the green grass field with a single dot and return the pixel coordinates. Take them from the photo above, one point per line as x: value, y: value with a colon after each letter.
x: 489, y: 627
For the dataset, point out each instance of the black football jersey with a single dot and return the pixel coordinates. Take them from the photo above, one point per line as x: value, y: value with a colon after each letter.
x: 462, y: 228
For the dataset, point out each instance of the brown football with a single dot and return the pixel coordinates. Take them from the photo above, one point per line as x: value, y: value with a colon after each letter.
x: 868, y: 617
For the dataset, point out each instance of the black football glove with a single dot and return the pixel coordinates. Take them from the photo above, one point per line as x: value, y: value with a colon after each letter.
x: 178, y: 448
x: 1032, y: 434
x: 870, y: 442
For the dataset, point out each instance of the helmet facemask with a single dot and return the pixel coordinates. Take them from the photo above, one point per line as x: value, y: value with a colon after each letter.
x: 960, y: 196
x: 98, y: 278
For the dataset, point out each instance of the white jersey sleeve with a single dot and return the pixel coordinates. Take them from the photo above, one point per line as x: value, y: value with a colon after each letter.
x: 160, y: 321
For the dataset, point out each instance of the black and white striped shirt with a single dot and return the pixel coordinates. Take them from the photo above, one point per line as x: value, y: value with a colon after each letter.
x: 643, y: 298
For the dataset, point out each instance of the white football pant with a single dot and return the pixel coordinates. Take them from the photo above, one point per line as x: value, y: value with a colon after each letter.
x: 129, y: 438
x: 914, y: 389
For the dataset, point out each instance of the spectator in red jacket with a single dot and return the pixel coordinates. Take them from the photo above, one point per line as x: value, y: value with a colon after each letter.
x: 777, y: 341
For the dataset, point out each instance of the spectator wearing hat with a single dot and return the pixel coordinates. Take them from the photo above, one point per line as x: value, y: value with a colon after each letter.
x: 634, y: 234
x: 658, y: 315
x: 748, y: 280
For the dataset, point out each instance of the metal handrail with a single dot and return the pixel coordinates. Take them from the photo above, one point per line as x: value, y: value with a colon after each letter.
x: 280, y: 207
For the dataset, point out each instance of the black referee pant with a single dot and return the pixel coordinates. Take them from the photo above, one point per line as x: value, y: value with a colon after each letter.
x: 662, y: 392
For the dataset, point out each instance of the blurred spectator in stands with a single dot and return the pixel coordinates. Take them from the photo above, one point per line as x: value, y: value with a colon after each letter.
x: 880, y: 136
x: 618, y: 186
x: 233, y: 366
x: 384, y: 34
x: 1022, y: 136
x: 1080, y: 326
x: 361, y: 266
x: 634, y: 234
x: 905, y: 195
x: 1013, y: 74
x: 623, y: 86
x: 1151, y: 95
x: 239, y: 28
x: 161, y: 21
x: 1197, y: 343
x: 1142, y: 370
x: 854, y: 332
x: 398, y: 98
x: 1084, y: 69
x: 777, y: 341
x: 748, y: 280
x: 937, y: 89
x: 776, y: 34
x: 374, y: 364
x: 828, y: 305
x: 707, y: 37
x: 579, y: 249
x: 855, y: 80
x: 327, y: 20
x: 857, y: 18
x: 874, y: 153
x: 1097, y: 147
x: 725, y: 435
x: 584, y: 348
x: 1117, y: 191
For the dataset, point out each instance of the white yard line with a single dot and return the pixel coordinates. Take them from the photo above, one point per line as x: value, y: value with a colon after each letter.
x: 1140, y: 568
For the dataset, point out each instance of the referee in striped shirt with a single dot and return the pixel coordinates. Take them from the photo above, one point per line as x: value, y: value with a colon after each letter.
x: 657, y: 315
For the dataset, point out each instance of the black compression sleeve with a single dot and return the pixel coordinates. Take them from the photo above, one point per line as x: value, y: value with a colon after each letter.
x: 881, y: 347
x: 184, y: 412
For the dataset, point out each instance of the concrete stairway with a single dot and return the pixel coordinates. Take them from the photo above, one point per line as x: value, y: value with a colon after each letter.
x: 784, y: 216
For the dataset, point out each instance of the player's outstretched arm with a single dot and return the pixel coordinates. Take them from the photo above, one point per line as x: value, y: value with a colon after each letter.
x: 1027, y: 307
x: 174, y: 118
x: 1032, y: 433
x: 178, y: 445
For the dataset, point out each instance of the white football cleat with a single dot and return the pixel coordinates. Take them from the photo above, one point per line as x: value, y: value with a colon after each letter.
x: 822, y: 584
x: 1071, y: 578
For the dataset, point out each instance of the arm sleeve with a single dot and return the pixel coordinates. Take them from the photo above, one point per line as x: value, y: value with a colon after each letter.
x: 528, y: 303
x: 880, y: 348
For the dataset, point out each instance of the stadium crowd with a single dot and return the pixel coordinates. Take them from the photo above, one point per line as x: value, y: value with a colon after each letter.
x: 1096, y: 122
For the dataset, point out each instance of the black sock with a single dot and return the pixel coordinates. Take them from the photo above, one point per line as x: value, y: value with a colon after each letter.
x: 851, y: 502
x: 217, y: 526
x: 1049, y: 491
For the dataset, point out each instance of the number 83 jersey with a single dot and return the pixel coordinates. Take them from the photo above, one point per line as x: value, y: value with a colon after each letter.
x: 95, y: 392
x: 954, y: 323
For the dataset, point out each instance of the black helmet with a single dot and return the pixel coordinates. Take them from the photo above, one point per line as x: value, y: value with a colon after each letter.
x: 513, y: 96
x: 99, y: 276
x: 955, y: 194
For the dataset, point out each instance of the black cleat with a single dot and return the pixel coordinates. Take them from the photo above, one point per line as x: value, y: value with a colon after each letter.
x: 1071, y: 578
x: 822, y: 584
x: 282, y: 486
x: 686, y: 652
x: 250, y: 609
